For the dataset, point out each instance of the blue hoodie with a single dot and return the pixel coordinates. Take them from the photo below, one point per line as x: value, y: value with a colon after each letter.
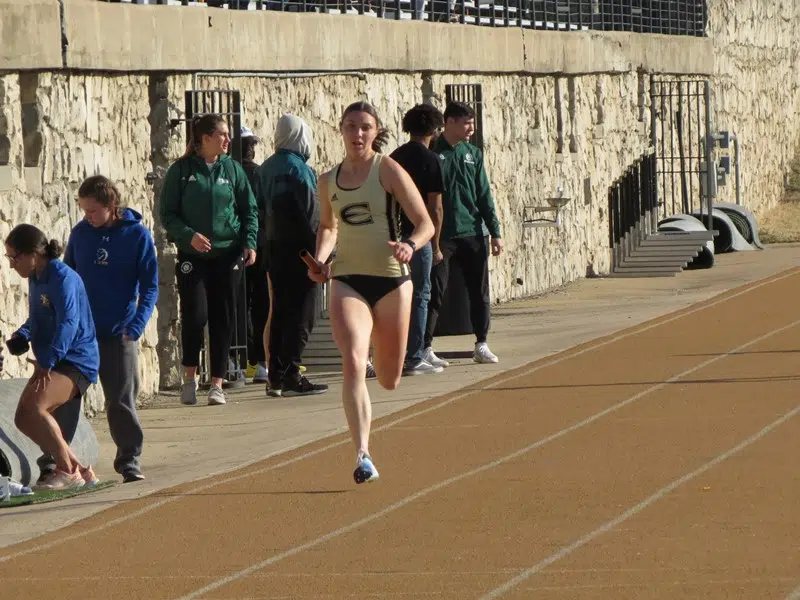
x: 60, y: 325
x: 119, y: 268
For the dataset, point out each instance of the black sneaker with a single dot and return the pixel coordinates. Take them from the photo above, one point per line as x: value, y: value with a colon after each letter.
x: 132, y: 475
x: 43, y: 475
x: 303, y: 387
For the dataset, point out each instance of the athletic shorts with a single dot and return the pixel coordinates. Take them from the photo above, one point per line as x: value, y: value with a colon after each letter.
x: 80, y: 380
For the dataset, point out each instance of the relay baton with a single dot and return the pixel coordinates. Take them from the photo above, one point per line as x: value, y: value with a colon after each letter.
x: 312, y: 262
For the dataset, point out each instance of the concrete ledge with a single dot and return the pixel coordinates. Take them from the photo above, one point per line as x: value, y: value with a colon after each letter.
x: 114, y: 37
x: 616, y: 52
x: 30, y: 35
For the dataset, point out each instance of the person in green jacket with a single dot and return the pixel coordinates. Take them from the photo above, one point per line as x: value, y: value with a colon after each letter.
x: 469, y: 228
x: 210, y: 213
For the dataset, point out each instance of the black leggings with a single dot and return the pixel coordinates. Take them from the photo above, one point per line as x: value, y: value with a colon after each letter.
x: 208, y: 290
x: 257, y: 308
x: 472, y: 255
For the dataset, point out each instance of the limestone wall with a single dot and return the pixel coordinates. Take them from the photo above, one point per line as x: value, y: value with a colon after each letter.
x: 756, y: 93
x: 119, y: 125
x: 74, y: 126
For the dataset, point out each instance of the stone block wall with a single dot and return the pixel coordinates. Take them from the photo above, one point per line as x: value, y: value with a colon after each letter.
x: 63, y: 128
x: 756, y: 91
x: 540, y: 132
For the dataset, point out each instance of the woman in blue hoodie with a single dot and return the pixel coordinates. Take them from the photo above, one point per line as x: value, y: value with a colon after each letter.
x: 114, y: 254
x: 61, y: 331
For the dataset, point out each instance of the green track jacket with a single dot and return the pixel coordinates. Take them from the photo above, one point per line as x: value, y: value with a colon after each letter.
x: 467, y: 201
x: 216, y: 202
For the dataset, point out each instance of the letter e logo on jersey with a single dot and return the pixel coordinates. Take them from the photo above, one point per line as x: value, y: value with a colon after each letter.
x: 357, y: 214
x: 102, y: 257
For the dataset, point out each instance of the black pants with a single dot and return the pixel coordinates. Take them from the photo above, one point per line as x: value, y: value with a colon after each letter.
x: 293, y: 313
x: 472, y: 255
x: 208, y: 290
x: 257, y: 308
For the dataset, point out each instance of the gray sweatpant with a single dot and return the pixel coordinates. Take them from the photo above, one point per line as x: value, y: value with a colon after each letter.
x: 119, y: 376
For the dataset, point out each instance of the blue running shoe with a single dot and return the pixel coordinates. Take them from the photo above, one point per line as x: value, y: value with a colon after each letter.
x: 365, y: 471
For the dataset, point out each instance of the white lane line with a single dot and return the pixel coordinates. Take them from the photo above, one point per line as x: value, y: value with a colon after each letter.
x: 222, y: 481
x: 476, y: 471
x: 634, y: 510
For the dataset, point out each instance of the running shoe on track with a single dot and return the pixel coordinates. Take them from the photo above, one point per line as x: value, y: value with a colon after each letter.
x: 365, y: 471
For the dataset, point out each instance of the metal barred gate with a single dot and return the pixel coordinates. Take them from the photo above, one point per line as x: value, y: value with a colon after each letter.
x: 679, y: 130
x: 470, y: 94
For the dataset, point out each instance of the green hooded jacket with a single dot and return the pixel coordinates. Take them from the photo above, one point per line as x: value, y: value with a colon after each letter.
x: 215, y: 201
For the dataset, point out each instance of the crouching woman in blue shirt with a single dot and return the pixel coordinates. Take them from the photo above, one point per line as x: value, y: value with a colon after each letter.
x: 61, y: 331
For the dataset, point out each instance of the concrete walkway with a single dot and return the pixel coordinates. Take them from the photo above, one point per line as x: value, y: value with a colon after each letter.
x: 187, y: 443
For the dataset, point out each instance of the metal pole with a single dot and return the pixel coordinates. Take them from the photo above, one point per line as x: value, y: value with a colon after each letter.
x: 737, y: 168
x: 654, y: 142
x: 709, y: 153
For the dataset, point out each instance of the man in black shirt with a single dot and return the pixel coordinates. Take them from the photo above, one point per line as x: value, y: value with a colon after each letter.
x: 425, y: 169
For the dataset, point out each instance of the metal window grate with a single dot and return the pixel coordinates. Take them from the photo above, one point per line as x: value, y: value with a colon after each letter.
x: 668, y: 17
x: 227, y: 103
x: 470, y: 94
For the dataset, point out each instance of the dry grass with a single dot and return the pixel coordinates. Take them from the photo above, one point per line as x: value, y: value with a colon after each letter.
x: 781, y: 224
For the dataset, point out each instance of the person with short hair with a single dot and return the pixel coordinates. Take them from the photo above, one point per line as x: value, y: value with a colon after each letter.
x: 360, y: 203
x: 469, y: 228
x: 60, y: 330
x: 425, y: 169
x: 256, y: 285
x: 209, y: 212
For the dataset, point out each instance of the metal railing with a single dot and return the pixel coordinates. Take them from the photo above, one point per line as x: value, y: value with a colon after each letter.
x: 631, y: 199
x: 669, y: 17
x: 638, y: 245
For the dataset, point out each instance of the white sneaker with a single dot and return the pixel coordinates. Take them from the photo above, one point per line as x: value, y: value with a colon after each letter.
x: 422, y: 367
x: 434, y: 360
x: 216, y: 396
x: 261, y: 375
x: 15, y: 489
x: 189, y: 393
x: 483, y: 355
